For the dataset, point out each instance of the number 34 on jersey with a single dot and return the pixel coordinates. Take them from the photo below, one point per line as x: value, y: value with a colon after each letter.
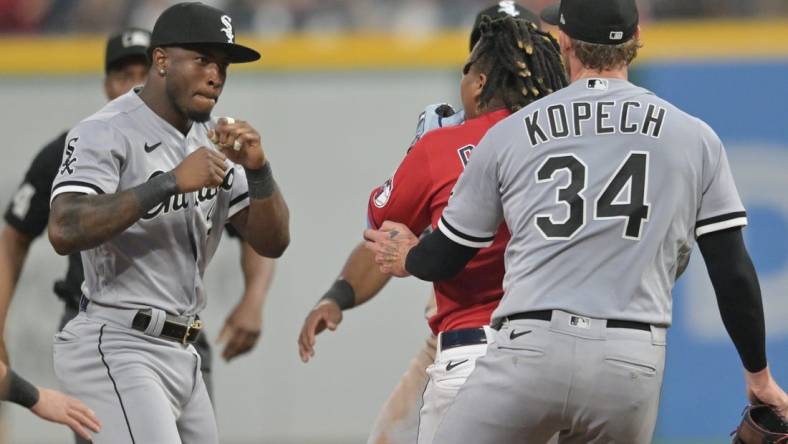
x: 623, y: 197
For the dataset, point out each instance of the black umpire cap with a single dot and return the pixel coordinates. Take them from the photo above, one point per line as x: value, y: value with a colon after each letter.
x: 132, y: 42
x: 605, y: 22
x: 501, y: 9
x: 199, y: 24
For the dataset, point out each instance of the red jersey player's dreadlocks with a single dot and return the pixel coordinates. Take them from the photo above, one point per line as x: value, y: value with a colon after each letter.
x: 522, y: 63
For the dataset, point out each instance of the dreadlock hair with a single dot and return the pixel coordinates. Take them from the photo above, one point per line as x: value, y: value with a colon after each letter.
x: 522, y: 62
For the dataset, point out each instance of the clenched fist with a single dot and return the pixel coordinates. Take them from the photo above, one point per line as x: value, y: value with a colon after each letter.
x: 239, y: 142
x: 202, y: 168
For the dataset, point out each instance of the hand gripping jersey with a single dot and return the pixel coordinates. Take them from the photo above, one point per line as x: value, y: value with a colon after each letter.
x: 416, y: 197
x: 604, y: 187
x: 159, y: 261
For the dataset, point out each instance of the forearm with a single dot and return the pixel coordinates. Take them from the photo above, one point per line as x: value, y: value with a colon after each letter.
x: 738, y: 294
x: 363, y: 275
x: 267, y: 226
x: 266, y: 223
x: 258, y: 273
x: 13, y: 252
x: 80, y: 222
x: 17, y: 390
x: 436, y: 257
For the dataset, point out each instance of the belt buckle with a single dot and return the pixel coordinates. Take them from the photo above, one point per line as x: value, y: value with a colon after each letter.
x: 193, y: 324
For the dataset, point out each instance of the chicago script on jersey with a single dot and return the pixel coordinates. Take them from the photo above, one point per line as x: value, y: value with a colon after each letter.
x: 178, y: 201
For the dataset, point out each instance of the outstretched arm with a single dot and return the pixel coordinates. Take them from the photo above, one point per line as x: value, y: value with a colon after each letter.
x: 358, y: 282
x: 47, y: 404
x: 243, y: 326
x: 399, y: 253
x: 361, y: 279
x: 739, y: 299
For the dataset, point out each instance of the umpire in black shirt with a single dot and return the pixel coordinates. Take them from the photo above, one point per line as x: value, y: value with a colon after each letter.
x: 126, y: 66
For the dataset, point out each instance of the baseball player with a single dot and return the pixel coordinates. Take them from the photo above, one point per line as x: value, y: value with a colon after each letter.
x: 417, y: 193
x: 144, y: 190
x: 47, y: 404
x: 398, y: 419
x: 605, y: 188
x: 126, y: 66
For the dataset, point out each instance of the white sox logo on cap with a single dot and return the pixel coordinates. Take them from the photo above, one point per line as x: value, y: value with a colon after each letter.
x: 135, y: 38
x: 228, y: 28
x: 508, y: 8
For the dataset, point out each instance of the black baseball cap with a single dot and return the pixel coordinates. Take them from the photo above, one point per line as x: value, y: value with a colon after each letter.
x: 500, y: 10
x: 605, y: 22
x: 132, y: 42
x: 199, y: 24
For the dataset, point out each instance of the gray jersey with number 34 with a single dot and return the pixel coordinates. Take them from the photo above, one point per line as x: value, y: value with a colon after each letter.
x: 604, y: 187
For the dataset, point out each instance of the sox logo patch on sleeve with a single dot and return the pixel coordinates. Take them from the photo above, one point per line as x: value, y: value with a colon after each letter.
x: 69, y: 159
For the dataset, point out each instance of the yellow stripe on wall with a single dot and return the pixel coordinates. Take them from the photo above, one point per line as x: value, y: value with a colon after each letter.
x: 718, y: 39
x: 663, y: 41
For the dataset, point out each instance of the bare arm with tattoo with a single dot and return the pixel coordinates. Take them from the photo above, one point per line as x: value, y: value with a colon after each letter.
x: 80, y: 222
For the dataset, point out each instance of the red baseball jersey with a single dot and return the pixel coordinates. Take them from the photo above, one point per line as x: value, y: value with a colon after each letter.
x: 416, y: 197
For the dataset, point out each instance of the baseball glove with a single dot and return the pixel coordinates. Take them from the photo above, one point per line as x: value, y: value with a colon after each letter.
x: 761, y: 425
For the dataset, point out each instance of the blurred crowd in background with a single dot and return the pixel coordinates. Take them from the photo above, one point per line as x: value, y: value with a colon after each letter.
x: 278, y: 17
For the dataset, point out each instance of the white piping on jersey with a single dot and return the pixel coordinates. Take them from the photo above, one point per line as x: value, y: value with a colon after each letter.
x: 460, y: 240
x: 71, y: 189
x: 725, y: 224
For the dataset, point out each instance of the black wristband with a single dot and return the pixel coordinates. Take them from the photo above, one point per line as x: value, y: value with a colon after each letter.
x: 155, y: 190
x: 261, y: 182
x: 20, y: 391
x: 342, y: 293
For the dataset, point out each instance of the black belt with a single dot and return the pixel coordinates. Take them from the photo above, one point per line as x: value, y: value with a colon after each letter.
x: 182, y: 330
x: 546, y: 315
x: 462, y: 337
x: 178, y: 329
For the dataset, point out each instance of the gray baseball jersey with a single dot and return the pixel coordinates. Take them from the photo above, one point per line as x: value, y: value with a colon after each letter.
x: 159, y: 261
x: 604, y: 187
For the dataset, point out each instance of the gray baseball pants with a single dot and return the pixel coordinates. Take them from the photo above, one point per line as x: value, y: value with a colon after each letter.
x: 571, y: 375
x: 145, y: 390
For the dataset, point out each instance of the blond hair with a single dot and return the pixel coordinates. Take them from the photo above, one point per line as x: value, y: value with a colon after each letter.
x: 606, y: 57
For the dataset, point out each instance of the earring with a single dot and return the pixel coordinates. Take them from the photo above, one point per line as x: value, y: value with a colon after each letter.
x: 162, y: 72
